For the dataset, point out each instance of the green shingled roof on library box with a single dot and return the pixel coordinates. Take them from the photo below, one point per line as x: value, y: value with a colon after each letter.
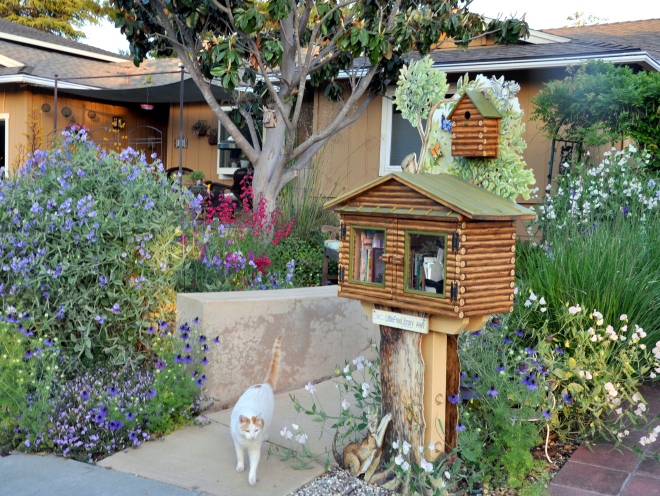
x: 483, y: 104
x: 453, y: 192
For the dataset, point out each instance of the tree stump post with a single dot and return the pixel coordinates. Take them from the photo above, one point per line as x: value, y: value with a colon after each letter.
x: 418, y: 373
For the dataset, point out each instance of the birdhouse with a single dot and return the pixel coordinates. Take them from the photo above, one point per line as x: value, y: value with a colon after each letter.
x: 430, y: 243
x: 475, y: 126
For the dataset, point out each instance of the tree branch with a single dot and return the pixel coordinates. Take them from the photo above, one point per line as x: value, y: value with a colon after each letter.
x: 253, y: 132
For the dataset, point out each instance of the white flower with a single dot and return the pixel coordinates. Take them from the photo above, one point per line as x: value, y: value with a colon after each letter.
x: 448, y: 475
x: 345, y: 404
x: 286, y: 433
x: 349, y: 378
x: 431, y: 446
x: 543, y: 309
x: 528, y: 303
x: 310, y: 387
x: 609, y: 329
x: 406, y: 447
x: 532, y: 296
x: 642, y: 346
x: 399, y: 459
x: 635, y: 398
x: 542, y: 301
x: 426, y: 466
x: 619, y: 411
x: 395, y: 445
x: 623, y: 317
x: 301, y: 438
x: 656, y: 429
x: 574, y: 310
x: 359, y: 366
x: 405, y: 466
x: 295, y: 427
x: 515, y: 290
x: 347, y: 369
x: 652, y: 375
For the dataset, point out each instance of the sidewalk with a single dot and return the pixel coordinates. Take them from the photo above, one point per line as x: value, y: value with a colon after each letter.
x: 610, y: 472
x: 190, y: 461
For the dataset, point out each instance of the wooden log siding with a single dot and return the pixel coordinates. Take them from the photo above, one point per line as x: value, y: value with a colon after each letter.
x: 490, y: 267
x: 395, y: 195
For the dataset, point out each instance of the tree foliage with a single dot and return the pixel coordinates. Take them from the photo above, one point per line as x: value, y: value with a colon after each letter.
x: 60, y: 17
x: 271, y: 52
x: 602, y: 103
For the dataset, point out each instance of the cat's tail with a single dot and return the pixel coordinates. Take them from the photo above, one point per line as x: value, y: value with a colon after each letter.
x: 274, y: 370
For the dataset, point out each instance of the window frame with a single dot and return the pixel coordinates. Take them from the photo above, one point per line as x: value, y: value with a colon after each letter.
x: 406, y: 263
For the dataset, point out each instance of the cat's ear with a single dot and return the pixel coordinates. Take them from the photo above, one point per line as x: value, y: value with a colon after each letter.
x: 258, y: 420
x: 243, y: 419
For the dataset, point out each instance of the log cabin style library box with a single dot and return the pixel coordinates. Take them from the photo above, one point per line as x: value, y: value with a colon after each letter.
x: 427, y: 242
x: 475, y: 130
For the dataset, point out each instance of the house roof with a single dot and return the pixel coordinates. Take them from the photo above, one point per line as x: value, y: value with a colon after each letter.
x: 483, y: 104
x: 450, y: 191
x: 34, y: 57
x: 27, y: 36
x: 644, y: 35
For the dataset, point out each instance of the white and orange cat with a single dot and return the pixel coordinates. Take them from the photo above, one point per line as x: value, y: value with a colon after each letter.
x: 253, y: 415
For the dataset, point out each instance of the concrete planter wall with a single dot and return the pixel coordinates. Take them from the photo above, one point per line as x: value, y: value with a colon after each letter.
x: 320, y: 331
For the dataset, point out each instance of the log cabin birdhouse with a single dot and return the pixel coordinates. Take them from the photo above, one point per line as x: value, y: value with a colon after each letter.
x: 431, y: 243
x: 475, y: 126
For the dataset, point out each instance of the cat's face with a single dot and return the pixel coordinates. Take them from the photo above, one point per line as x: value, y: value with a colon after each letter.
x: 250, y: 427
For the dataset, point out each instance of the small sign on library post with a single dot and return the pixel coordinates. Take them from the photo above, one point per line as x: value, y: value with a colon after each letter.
x: 401, y: 321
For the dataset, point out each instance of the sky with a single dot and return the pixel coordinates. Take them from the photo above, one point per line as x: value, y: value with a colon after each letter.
x: 539, y: 14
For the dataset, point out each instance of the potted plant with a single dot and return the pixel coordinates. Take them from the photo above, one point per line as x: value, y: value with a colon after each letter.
x: 244, y: 161
x: 197, y: 178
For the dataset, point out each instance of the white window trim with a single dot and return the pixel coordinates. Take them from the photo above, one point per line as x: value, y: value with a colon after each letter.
x: 223, y: 172
x: 385, y: 167
x: 5, y: 117
x: 386, y: 134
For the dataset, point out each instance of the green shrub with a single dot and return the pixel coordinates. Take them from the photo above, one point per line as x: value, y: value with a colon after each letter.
x: 89, y: 246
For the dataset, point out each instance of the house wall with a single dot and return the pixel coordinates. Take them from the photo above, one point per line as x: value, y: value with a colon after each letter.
x: 199, y: 155
x: 350, y: 158
x: 19, y: 101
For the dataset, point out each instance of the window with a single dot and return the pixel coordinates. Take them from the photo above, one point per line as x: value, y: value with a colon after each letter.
x: 229, y: 160
x: 425, y: 263
x: 367, y: 246
x: 398, y: 137
x: 4, y: 145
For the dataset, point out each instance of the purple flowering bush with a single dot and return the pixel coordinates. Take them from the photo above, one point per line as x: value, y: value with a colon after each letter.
x: 94, y: 412
x: 89, y: 247
x: 507, y: 384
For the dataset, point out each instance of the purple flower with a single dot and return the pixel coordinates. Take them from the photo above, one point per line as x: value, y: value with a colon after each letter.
x: 463, y: 375
x: 202, y: 339
x: 178, y: 359
x: 460, y: 427
x: 152, y: 393
x: 28, y: 354
x: 48, y: 342
x: 530, y: 351
x: 567, y: 398
x: 99, y: 319
x: 187, y: 347
x: 492, y: 391
x: 626, y: 211
x: 205, y: 348
x: 129, y: 416
x: 204, y: 361
x: 559, y: 350
x: 160, y: 364
x: 476, y: 333
x: 216, y: 340
x: 195, y: 320
x: 84, y: 395
x: 500, y: 368
x: 506, y: 340
x: 102, y: 281
x: 518, y: 332
x: 132, y: 436
x: 188, y: 359
x: 115, y: 425
x: 113, y: 391
x: 546, y: 414
x: 199, y: 382
x: 115, y: 309
x: 453, y: 399
x: 185, y: 336
x: 151, y: 330
x: 27, y: 443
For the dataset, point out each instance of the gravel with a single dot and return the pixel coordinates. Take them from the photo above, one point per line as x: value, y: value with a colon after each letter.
x: 339, y: 482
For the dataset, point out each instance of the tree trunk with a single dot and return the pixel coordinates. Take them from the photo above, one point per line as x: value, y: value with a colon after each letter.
x: 402, y: 387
